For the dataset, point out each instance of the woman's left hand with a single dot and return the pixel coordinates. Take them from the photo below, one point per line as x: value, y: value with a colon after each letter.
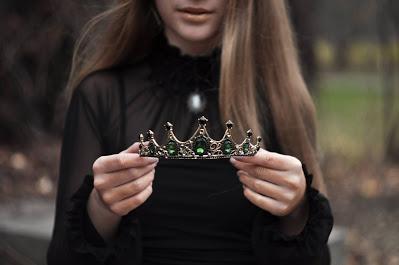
x: 272, y: 181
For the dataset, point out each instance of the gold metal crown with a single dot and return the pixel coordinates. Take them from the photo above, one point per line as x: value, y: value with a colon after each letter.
x: 199, y: 146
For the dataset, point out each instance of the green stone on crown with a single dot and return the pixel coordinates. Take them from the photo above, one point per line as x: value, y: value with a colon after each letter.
x: 245, y: 148
x: 200, y: 146
x: 172, y: 148
x: 227, y: 147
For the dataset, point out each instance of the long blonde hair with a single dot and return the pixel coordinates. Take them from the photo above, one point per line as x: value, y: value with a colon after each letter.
x: 259, y: 67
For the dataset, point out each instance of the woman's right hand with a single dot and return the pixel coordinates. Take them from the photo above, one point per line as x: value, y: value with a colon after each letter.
x: 122, y: 182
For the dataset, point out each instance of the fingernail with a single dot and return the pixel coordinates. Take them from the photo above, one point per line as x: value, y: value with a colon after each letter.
x: 240, y: 177
x: 240, y: 172
x: 154, y: 159
x: 232, y: 160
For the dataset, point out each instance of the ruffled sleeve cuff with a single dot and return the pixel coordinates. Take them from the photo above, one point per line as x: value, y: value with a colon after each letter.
x: 272, y: 246
x: 84, y: 239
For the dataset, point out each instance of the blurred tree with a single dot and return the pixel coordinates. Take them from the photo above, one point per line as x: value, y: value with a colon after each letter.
x: 31, y: 42
x: 36, y: 39
x: 304, y: 19
x: 341, y: 22
x: 388, y: 28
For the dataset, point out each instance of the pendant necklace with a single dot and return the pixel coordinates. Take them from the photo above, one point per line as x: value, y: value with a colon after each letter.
x: 196, y: 101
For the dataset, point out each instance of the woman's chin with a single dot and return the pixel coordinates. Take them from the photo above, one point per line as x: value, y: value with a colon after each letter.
x: 196, y: 33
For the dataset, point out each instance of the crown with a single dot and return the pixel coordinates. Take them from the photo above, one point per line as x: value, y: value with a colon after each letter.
x: 199, y: 146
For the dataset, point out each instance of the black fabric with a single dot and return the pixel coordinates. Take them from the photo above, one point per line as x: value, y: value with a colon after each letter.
x: 309, y: 246
x: 197, y: 213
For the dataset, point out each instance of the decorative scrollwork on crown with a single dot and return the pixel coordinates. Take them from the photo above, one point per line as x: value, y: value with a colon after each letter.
x: 199, y: 146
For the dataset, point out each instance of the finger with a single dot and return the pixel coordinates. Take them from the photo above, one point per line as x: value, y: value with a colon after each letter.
x: 266, y: 188
x: 266, y: 203
x: 269, y: 159
x: 271, y: 175
x: 128, y: 189
x: 125, y: 206
x: 111, y: 180
x: 134, y: 148
x: 120, y: 161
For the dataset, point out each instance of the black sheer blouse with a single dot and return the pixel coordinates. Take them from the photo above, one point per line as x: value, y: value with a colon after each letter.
x: 197, y: 213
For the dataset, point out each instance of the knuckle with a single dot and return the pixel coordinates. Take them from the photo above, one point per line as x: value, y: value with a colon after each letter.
x: 99, y: 183
x: 246, y: 193
x: 125, y: 193
x: 258, y: 171
x: 257, y: 184
x: 282, y: 210
x: 133, y: 172
x: 258, y: 201
x: 150, y: 177
x: 97, y: 165
x: 149, y: 189
x: 135, y: 185
x: 121, y: 162
x: 296, y: 163
x: 290, y: 196
x: 294, y: 182
x: 138, y: 200
x: 107, y: 197
x: 269, y: 159
x: 117, y: 209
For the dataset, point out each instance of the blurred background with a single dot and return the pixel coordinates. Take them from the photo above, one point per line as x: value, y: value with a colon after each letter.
x: 350, y: 56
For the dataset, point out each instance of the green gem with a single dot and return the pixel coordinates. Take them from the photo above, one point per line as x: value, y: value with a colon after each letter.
x: 172, y: 148
x: 245, y: 147
x: 227, y: 147
x: 200, y: 145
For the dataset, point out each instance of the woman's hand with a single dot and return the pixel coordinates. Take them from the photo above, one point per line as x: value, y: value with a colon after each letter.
x: 122, y: 182
x: 274, y: 182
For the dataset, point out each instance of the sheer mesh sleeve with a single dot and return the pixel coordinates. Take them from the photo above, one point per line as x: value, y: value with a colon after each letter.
x: 309, y: 246
x: 75, y: 240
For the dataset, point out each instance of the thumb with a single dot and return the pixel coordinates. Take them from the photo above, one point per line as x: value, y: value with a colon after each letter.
x: 134, y: 148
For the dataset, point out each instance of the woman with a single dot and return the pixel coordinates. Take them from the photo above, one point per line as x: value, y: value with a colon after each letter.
x: 143, y: 63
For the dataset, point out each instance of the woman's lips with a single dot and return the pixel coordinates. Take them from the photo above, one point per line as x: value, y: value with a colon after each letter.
x: 194, y: 14
x: 194, y: 10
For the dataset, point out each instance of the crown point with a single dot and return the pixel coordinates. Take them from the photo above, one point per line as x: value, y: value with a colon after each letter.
x: 150, y: 134
x: 168, y: 126
x: 202, y: 120
x: 229, y: 124
x: 258, y: 139
x: 141, y: 137
x: 249, y: 133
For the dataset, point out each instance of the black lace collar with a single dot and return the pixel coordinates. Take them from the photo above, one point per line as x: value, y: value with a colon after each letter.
x: 182, y: 73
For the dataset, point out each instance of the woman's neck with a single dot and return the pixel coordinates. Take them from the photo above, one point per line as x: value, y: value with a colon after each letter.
x: 193, y: 48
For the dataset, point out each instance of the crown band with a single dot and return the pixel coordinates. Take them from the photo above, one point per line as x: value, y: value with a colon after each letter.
x: 199, y: 146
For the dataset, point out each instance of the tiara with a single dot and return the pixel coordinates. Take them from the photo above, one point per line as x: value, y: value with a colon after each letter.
x: 199, y: 146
